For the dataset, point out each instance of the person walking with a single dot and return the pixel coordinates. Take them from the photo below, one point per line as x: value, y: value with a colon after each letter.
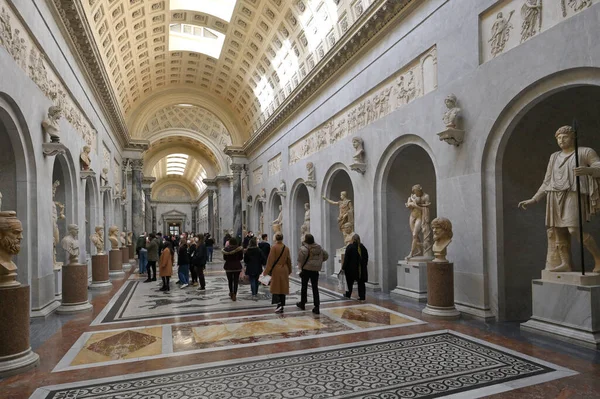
x: 210, y: 246
x: 310, y: 261
x: 254, y: 259
x: 142, y: 253
x: 152, y: 248
x: 166, y: 266
x: 233, y: 255
x: 198, y: 260
x: 183, y: 263
x: 354, y: 266
x: 279, y: 267
x: 264, y: 246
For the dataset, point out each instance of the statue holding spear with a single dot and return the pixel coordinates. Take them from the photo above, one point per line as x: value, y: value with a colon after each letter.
x: 571, y: 187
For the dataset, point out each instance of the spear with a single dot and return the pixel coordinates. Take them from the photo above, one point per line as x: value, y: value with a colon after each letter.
x: 579, y: 198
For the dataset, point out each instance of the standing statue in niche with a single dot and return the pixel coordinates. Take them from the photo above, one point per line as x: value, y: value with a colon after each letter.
x: 56, y: 215
x: 113, y: 236
x: 531, y: 12
x: 419, y: 220
x: 50, y: 124
x: 442, y: 237
x: 346, y: 214
x: 277, y: 224
x: 71, y: 244
x: 98, y: 240
x: 84, y: 158
x: 500, y: 33
x: 11, y: 234
x: 560, y: 190
x: 305, y: 228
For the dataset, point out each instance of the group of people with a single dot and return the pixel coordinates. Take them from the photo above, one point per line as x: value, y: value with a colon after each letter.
x: 193, y: 252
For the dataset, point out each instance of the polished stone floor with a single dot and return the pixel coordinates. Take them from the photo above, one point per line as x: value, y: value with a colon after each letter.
x: 134, y: 346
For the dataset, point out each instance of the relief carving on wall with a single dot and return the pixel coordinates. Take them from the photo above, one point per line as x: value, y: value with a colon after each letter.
x: 416, y: 79
x: 532, y: 16
x: 274, y: 166
x: 257, y: 176
x: 15, y: 39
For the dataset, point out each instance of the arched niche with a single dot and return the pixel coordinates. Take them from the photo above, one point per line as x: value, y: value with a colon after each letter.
x: 523, y: 165
x: 336, y: 180
x: 300, y: 196
x: 17, y: 179
x: 274, y: 204
x: 65, y: 199
x: 409, y: 165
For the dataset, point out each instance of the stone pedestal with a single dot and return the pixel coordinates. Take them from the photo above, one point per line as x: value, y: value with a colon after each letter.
x: 15, y: 352
x: 567, y: 306
x: 131, y: 254
x: 125, y: 259
x: 411, y: 280
x: 440, y: 291
x: 115, y: 264
x: 338, y: 261
x: 100, y: 278
x: 58, y: 281
x: 75, y: 293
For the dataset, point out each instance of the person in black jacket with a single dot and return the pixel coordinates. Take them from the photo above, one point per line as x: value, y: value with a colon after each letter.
x: 183, y: 264
x: 254, y: 259
x: 355, y: 263
x: 265, y: 247
x: 210, y: 245
x: 199, y: 256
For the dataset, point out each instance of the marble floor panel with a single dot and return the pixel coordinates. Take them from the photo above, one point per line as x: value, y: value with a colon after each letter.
x: 425, y: 365
x: 138, y: 301
x: 110, y: 347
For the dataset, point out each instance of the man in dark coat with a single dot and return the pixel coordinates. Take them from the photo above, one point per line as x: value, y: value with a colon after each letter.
x: 265, y: 247
x: 355, y: 263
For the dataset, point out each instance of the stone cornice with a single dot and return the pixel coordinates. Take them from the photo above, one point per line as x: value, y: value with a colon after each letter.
x: 137, y: 145
x: 373, y: 20
x: 81, y: 38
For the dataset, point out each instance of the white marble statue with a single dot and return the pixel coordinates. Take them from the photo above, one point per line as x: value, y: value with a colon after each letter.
x: 11, y: 234
x: 113, y: 236
x: 359, y: 150
x: 50, y: 124
x: 419, y: 220
x: 559, y: 189
x: 282, y: 186
x: 500, y: 33
x: 98, y: 240
x: 310, y: 169
x: 442, y: 237
x: 277, y: 224
x: 263, y: 196
x: 56, y: 215
x: 104, y: 177
x: 129, y: 238
x: 305, y: 228
x: 123, y: 239
x: 346, y: 214
x: 84, y: 158
x: 452, y: 113
x: 71, y: 244
x: 348, y: 233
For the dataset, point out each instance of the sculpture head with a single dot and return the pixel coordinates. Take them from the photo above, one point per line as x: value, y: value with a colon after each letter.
x: 442, y: 229
x: 87, y: 149
x: 347, y: 228
x: 11, y: 233
x: 309, y: 166
x: 100, y: 230
x: 113, y: 231
x: 450, y: 101
x: 357, y: 142
x: 307, y: 206
x: 54, y: 112
x: 499, y: 15
x: 105, y: 171
x: 565, y: 137
x: 417, y: 190
x: 73, y: 230
x: 343, y: 195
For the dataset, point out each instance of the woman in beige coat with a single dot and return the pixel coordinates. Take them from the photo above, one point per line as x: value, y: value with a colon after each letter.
x: 279, y: 267
x: 166, y: 266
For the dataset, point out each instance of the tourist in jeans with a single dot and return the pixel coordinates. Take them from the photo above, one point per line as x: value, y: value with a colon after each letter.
x: 183, y: 263
x: 254, y: 260
x: 310, y: 262
x: 166, y: 266
x: 152, y: 248
x: 198, y: 257
x: 210, y: 244
x: 279, y: 266
x: 142, y: 253
x: 233, y: 255
x: 355, y: 263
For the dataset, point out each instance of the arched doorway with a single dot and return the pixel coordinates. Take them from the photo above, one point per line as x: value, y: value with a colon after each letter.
x: 300, y: 197
x: 524, y: 162
x: 336, y: 181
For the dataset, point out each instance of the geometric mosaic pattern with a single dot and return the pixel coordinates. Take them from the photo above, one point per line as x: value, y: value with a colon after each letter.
x: 422, y: 366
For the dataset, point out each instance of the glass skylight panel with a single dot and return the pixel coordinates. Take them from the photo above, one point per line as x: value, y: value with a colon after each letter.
x: 199, y: 39
x: 219, y: 8
x: 176, y: 164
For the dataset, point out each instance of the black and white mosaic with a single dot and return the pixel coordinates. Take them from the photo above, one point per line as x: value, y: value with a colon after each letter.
x: 425, y: 365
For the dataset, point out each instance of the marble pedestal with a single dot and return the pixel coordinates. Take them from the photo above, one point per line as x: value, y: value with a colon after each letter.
x: 75, y: 292
x: 100, y: 277
x: 15, y: 351
x: 131, y: 253
x: 440, y: 291
x: 567, y: 306
x: 411, y: 280
x: 338, y: 261
x: 125, y: 259
x: 115, y: 264
x: 58, y: 281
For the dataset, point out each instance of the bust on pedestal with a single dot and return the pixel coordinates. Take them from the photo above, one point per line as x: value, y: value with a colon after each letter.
x: 115, y: 259
x: 100, y: 279
x: 74, y: 276
x: 15, y: 351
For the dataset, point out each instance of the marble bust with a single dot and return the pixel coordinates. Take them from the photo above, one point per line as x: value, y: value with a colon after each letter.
x: 11, y: 234
x: 310, y: 169
x: 452, y: 113
x: 359, y: 150
x: 98, y: 240
x: 117, y: 190
x: 71, y: 244
x: 282, y: 186
x: 50, y: 124
x: 84, y: 158
x: 130, y: 238
x: 442, y: 237
x: 113, y: 236
x: 123, y: 239
x: 278, y: 223
x: 348, y: 232
x: 263, y: 196
x: 104, y: 177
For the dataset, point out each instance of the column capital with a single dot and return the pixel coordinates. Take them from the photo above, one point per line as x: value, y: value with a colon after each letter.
x: 137, y: 164
x: 237, y: 168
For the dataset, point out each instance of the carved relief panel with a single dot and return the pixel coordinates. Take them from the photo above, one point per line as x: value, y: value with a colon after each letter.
x: 275, y: 165
x: 257, y: 176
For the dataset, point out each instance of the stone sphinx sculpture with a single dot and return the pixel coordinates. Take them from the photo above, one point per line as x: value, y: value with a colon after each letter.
x: 559, y: 189
x: 346, y: 214
x: 113, y: 236
x: 70, y: 243
x: 442, y: 237
x: 98, y: 240
x: 277, y: 224
x: 419, y: 220
x: 50, y: 124
x: 84, y: 158
x: 11, y: 234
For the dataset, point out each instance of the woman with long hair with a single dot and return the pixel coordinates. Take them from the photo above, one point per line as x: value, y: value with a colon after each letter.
x: 166, y: 266
x: 279, y: 266
x: 233, y: 255
x: 355, y: 263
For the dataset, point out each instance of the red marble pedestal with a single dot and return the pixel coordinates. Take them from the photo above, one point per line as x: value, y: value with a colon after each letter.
x: 115, y: 263
x: 100, y: 277
x: 131, y: 252
x: 440, y: 291
x: 125, y: 259
x: 15, y: 352
x: 75, y: 292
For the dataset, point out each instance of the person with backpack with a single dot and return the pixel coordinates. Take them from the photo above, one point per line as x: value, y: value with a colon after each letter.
x: 310, y: 261
x: 279, y: 267
x: 199, y: 255
x: 254, y: 259
x: 354, y: 266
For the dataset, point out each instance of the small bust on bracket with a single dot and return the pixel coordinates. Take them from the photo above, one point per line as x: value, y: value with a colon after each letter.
x: 50, y: 124
x: 359, y: 165
x: 311, y: 180
x: 452, y: 135
x: 84, y: 158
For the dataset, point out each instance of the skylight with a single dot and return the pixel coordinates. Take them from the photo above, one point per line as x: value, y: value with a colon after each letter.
x: 199, y: 39
x: 199, y: 183
x: 219, y: 8
x: 176, y: 164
